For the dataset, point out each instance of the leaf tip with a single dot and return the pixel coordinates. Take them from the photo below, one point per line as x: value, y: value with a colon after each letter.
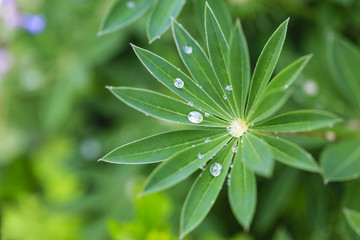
x: 109, y: 87
x: 100, y: 160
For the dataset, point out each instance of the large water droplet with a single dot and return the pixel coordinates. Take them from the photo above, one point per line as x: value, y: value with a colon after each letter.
x: 187, y: 49
x: 130, y: 4
x: 200, y: 155
x: 178, y: 83
x: 195, y: 117
x: 215, y: 169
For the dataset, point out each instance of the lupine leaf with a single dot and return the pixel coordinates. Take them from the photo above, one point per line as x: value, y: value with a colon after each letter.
x: 298, y: 121
x: 239, y: 68
x: 159, y: 147
x: 257, y: 155
x: 353, y: 219
x: 242, y: 191
x: 218, y: 49
x: 341, y: 161
x: 289, y: 153
x: 198, y: 64
x: 182, y: 165
x: 204, y: 193
x: 122, y: 13
x: 166, y: 73
x: 266, y: 64
x: 160, y: 18
x: 161, y: 106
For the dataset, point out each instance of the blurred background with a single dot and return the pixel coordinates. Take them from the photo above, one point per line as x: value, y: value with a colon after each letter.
x: 57, y: 119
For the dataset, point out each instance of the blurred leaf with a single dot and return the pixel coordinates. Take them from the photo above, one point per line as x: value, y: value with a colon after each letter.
x: 182, y: 165
x: 124, y: 12
x: 298, y: 121
x: 353, y: 218
x: 198, y: 64
x: 161, y: 106
x: 344, y: 59
x: 289, y: 153
x: 218, y: 49
x: 239, y: 68
x: 257, y: 155
x: 204, y: 192
x: 167, y: 73
x: 160, y: 18
x: 266, y: 64
x: 341, y: 161
x: 159, y: 147
x: 242, y: 191
x: 282, y: 234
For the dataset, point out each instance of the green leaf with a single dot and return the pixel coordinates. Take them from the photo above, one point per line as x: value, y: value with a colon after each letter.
x: 298, y: 121
x: 353, y: 219
x: 220, y: 11
x: 166, y: 73
x: 161, y: 106
x: 198, y: 64
x: 160, y: 18
x: 239, y: 68
x: 341, y: 161
x: 122, y: 13
x: 257, y: 155
x: 182, y: 165
x: 242, y: 191
x: 266, y: 64
x: 218, y: 49
x: 204, y: 192
x: 275, y: 94
x: 159, y: 147
x: 344, y: 61
x: 289, y: 153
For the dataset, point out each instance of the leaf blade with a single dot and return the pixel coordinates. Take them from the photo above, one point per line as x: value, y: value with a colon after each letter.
x: 353, y: 219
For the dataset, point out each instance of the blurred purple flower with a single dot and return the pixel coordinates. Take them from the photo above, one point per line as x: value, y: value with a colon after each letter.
x: 6, y: 61
x: 9, y: 14
x: 34, y: 24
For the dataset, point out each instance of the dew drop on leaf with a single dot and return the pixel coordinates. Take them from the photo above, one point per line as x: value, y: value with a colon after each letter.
x: 130, y: 4
x: 187, y: 49
x: 195, y: 117
x: 225, y: 97
x: 228, y: 89
x: 215, y: 169
x: 202, y: 167
x: 207, y: 140
x: 200, y: 155
x: 178, y: 83
x: 190, y: 103
x: 207, y: 114
x: 286, y: 86
x: 234, y: 149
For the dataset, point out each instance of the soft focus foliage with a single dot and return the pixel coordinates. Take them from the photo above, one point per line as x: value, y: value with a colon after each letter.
x: 57, y: 119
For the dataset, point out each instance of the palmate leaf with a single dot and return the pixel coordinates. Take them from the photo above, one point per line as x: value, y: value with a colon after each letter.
x: 298, y: 121
x: 242, y: 191
x: 182, y: 165
x: 341, y: 161
x: 353, y: 219
x: 159, y: 147
x: 161, y: 106
x: 204, y: 192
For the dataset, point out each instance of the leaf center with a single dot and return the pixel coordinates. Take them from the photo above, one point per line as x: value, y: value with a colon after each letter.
x: 237, y: 127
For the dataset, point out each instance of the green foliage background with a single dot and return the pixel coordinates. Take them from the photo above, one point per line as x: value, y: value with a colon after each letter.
x: 57, y: 119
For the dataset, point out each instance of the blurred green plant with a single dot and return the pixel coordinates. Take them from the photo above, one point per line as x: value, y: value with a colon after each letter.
x: 235, y: 109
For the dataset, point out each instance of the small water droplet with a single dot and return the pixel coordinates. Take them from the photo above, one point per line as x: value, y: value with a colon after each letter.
x: 234, y: 149
x: 178, y: 83
x: 130, y: 4
x: 200, y: 86
x: 187, y: 49
x: 190, y: 103
x: 109, y: 87
x: 231, y: 166
x: 286, y: 86
x: 215, y: 169
x: 224, y: 97
x: 276, y: 132
x: 242, y: 140
x: 228, y: 88
x: 252, y: 124
x: 193, y: 145
x: 207, y: 140
x: 229, y: 175
x: 202, y: 167
x: 200, y: 155
x: 310, y: 88
x: 195, y: 117
x: 213, y: 201
x: 228, y: 182
x: 207, y: 114
x: 146, y: 114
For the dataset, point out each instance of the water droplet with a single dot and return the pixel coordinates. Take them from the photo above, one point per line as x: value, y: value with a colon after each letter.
x: 286, y: 86
x: 213, y: 201
x: 228, y: 88
x: 234, y: 149
x: 229, y: 175
x: 200, y: 86
x: 207, y: 140
x: 187, y: 49
x: 109, y: 87
x: 130, y: 4
x: 178, y: 83
x: 193, y: 145
x: 224, y: 97
x: 242, y: 140
x: 146, y: 114
x: 276, y: 132
x: 202, y: 167
x: 231, y: 166
x: 228, y: 182
x: 190, y: 103
x: 207, y: 114
x: 252, y: 124
x: 215, y: 169
x: 195, y: 117
x: 200, y: 155
x: 310, y: 88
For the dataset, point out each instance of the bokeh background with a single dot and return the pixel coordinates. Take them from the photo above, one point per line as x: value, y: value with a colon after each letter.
x: 57, y: 119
